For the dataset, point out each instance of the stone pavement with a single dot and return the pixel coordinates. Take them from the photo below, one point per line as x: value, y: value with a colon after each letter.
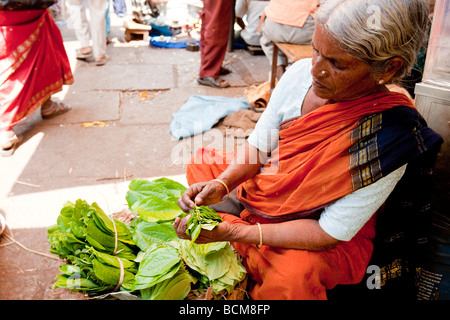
x: 134, y: 96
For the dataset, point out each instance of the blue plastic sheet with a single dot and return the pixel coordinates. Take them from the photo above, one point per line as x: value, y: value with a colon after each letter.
x: 199, y: 114
x: 168, y: 43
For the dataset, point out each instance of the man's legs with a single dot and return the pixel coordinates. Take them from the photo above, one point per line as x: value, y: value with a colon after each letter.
x: 215, y: 17
x: 97, y: 10
x: 78, y: 21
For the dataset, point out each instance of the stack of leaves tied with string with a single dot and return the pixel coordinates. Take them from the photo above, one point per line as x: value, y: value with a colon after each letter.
x: 99, y: 250
x: 145, y: 259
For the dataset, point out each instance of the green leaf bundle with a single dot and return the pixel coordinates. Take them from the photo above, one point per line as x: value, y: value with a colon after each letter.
x: 147, y: 259
x: 99, y: 250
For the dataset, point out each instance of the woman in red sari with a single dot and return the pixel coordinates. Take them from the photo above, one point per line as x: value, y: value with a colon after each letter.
x: 326, y: 154
x: 33, y: 67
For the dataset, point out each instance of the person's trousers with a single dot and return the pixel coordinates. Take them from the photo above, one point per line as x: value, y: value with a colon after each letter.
x: 84, y: 30
x: 215, y: 16
x: 275, y: 32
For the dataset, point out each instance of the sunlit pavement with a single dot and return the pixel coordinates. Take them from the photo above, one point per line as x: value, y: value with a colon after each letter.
x: 117, y: 130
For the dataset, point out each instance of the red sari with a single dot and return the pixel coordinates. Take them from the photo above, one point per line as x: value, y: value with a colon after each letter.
x: 33, y: 63
x: 322, y: 157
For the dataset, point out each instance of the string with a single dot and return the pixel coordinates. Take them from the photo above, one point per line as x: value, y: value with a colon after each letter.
x: 12, y: 240
x: 122, y: 274
x: 122, y: 271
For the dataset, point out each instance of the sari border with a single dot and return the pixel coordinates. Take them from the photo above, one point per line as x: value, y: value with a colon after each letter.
x: 365, y: 165
x: 39, y: 98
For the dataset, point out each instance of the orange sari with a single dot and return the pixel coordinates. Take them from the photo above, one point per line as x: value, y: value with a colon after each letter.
x: 33, y: 63
x: 313, y: 159
x: 322, y: 157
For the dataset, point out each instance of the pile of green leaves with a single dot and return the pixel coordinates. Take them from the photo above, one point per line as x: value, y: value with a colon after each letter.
x: 92, y: 244
x: 156, y: 263
x: 173, y: 261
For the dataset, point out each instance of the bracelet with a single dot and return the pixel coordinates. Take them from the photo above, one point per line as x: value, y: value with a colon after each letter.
x: 226, y: 187
x: 258, y: 246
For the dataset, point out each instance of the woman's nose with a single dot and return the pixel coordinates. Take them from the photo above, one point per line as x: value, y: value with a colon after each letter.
x: 318, y: 67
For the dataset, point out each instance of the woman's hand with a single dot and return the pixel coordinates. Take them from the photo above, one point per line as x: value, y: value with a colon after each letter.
x: 222, y: 232
x: 202, y: 193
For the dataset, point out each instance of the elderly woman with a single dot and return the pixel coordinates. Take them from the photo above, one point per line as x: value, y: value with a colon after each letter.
x: 324, y: 156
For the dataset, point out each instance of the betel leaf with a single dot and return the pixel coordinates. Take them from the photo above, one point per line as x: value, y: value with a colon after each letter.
x: 216, y: 264
x: 162, y: 188
x: 153, y: 209
x: 155, y: 200
x: 111, y: 275
x: 158, y: 260
x: 110, y: 226
x: 208, y: 248
x: 147, y: 233
x: 235, y: 274
x: 141, y: 283
x: 113, y: 260
x: 174, y: 288
x: 159, y: 263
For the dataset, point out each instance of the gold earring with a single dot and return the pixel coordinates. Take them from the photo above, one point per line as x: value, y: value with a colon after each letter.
x: 381, y: 81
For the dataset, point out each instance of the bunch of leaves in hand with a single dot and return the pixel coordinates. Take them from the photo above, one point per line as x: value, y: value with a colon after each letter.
x: 202, y: 217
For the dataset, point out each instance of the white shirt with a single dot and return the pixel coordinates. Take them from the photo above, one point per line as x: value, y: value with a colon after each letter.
x: 344, y: 218
x: 253, y: 10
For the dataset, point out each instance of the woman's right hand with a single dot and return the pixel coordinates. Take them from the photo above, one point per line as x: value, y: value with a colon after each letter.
x: 202, y: 193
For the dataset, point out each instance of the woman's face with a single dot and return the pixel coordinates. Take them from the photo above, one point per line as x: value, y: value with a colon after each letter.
x: 337, y: 76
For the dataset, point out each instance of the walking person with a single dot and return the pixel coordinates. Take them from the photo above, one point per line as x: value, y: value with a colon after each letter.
x: 216, y: 19
x: 94, y: 30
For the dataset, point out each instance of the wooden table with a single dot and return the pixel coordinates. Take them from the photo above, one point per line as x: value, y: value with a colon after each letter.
x: 133, y: 28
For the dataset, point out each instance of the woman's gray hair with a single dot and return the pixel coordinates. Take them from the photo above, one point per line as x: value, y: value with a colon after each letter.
x: 375, y: 31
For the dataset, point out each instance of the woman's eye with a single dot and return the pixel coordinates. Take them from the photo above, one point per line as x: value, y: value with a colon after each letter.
x: 338, y: 65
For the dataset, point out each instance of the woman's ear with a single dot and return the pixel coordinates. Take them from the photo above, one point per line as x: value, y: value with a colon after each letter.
x: 391, y: 69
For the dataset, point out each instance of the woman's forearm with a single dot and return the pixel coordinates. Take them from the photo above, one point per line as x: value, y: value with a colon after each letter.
x: 303, y: 234
x: 246, y: 164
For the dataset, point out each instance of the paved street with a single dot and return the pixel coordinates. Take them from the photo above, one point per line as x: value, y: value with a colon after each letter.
x: 134, y: 97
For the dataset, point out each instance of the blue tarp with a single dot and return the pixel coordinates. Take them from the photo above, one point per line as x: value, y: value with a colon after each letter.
x: 199, y: 114
x: 168, y: 43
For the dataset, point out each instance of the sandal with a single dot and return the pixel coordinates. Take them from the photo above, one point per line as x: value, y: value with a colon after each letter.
x: 101, y: 61
x: 211, y: 82
x: 55, y: 109
x: 84, y: 54
x: 14, y: 142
